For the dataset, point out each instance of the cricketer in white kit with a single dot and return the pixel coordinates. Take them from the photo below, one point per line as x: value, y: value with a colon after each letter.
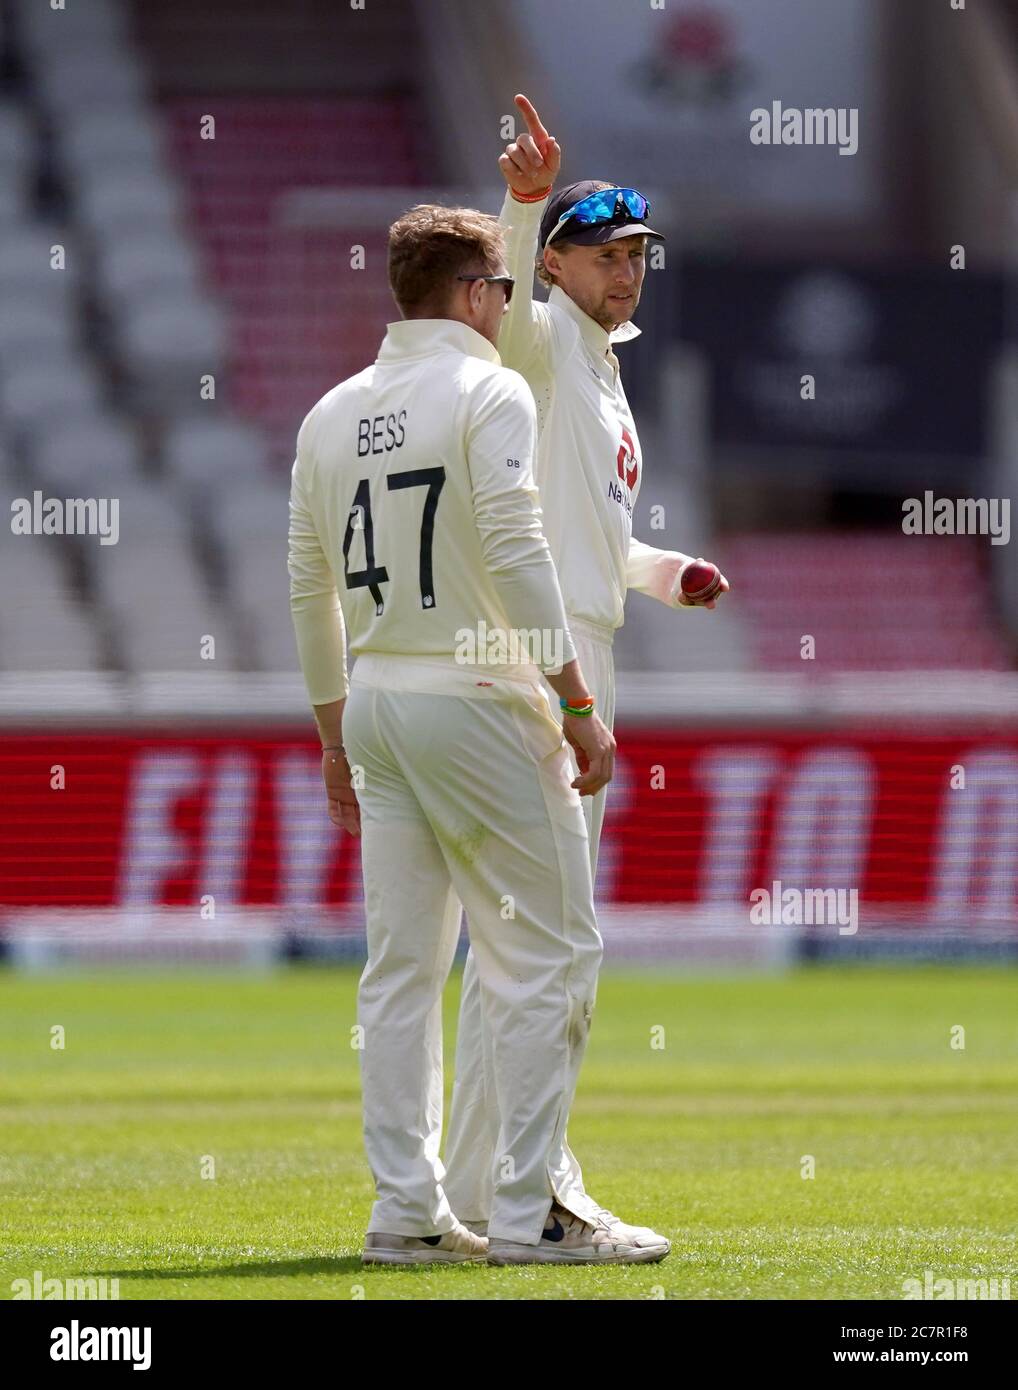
x: 413, y: 518
x: 589, y: 471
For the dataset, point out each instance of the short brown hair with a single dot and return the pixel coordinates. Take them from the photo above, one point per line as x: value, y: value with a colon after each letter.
x: 430, y: 245
x: 542, y: 274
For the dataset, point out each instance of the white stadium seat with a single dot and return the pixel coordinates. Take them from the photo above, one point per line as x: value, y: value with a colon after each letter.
x: 47, y: 629
x: 42, y: 28
x: 15, y: 198
x: 33, y: 395
x: 210, y: 452
x: 88, y: 456
x: 149, y: 514
x: 55, y: 636
x: 146, y: 569
x: 272, y: 642
x: 158, y: 638
x: 90, y: 75
x: 26, y: 261
x: 256, y: 513
x: 155, y: 262
x: 17, y: 138
x: 121, y: 202
x: 159, y: 604
x: 31, y: 331
x: 110, y: 138
x: 171, y: 342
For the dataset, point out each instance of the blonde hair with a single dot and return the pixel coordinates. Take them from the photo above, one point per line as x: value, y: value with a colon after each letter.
x: 430, y: 245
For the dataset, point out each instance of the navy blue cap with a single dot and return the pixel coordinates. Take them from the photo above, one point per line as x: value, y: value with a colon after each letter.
x: 568, y: 197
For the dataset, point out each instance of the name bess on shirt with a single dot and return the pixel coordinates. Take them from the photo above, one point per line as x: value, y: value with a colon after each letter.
x: 377, y: 434
x: 627, y: 467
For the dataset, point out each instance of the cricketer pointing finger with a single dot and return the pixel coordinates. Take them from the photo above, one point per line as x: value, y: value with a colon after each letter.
x: 590, y: 243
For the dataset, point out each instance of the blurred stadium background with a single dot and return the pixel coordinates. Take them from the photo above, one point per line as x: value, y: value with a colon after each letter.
x: 210, y: 171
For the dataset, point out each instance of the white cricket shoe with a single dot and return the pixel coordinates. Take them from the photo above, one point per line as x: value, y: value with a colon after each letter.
x: 622, y: 1228
x: 568, y: 1240
x: 454, y: 1247
x: 627, y: 1232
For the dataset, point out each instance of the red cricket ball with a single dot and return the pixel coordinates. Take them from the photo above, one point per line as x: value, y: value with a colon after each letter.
x: 700, y: 581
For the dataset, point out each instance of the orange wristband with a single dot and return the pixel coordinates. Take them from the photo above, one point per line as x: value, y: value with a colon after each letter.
x: 531, y: 197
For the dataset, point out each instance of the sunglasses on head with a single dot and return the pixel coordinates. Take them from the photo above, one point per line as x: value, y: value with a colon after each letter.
x: 608, y: 205
x: 506, y: 281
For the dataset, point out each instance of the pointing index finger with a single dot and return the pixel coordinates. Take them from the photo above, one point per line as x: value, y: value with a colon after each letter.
x: 532, y: 119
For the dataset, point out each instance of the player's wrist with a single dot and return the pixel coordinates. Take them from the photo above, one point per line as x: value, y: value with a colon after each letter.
x: 537, y: 197
x: 582, y: 707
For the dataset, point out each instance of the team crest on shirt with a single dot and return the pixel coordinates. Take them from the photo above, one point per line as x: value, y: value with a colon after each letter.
x: 628, y: 467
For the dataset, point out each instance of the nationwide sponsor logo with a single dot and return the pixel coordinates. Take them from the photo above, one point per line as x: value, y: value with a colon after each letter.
x: 621, y: 496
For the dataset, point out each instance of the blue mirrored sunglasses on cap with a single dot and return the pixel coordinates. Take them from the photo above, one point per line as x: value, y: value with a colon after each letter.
x: 606, y: 206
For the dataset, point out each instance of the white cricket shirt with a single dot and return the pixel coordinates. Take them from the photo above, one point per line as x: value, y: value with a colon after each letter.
x: 589, y: 464
x: 414, y: 517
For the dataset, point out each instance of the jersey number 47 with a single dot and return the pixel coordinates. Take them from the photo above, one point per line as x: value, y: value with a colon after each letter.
x: 374, y: 575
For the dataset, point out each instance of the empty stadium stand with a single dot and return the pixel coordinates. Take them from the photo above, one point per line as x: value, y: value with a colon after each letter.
x: 290, y: 112
x: 169, y: 311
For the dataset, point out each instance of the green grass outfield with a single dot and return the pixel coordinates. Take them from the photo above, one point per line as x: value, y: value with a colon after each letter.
x: 915, y: 1144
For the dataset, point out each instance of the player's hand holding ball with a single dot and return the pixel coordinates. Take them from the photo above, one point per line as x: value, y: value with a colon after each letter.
x: 699, y: 584
x: 531, y: 162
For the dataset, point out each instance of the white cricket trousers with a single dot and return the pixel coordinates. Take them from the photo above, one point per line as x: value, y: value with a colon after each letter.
x: 466, y: 800
x: 473, y: 1115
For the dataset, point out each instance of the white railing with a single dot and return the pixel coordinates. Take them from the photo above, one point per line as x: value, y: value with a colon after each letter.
x: 186, y: 699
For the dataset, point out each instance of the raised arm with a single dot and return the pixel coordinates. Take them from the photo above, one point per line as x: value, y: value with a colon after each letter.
x: 529, y: 166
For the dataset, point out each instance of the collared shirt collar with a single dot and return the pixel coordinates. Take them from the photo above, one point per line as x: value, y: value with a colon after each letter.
x: 596, y: 338
x: 420, y: 337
